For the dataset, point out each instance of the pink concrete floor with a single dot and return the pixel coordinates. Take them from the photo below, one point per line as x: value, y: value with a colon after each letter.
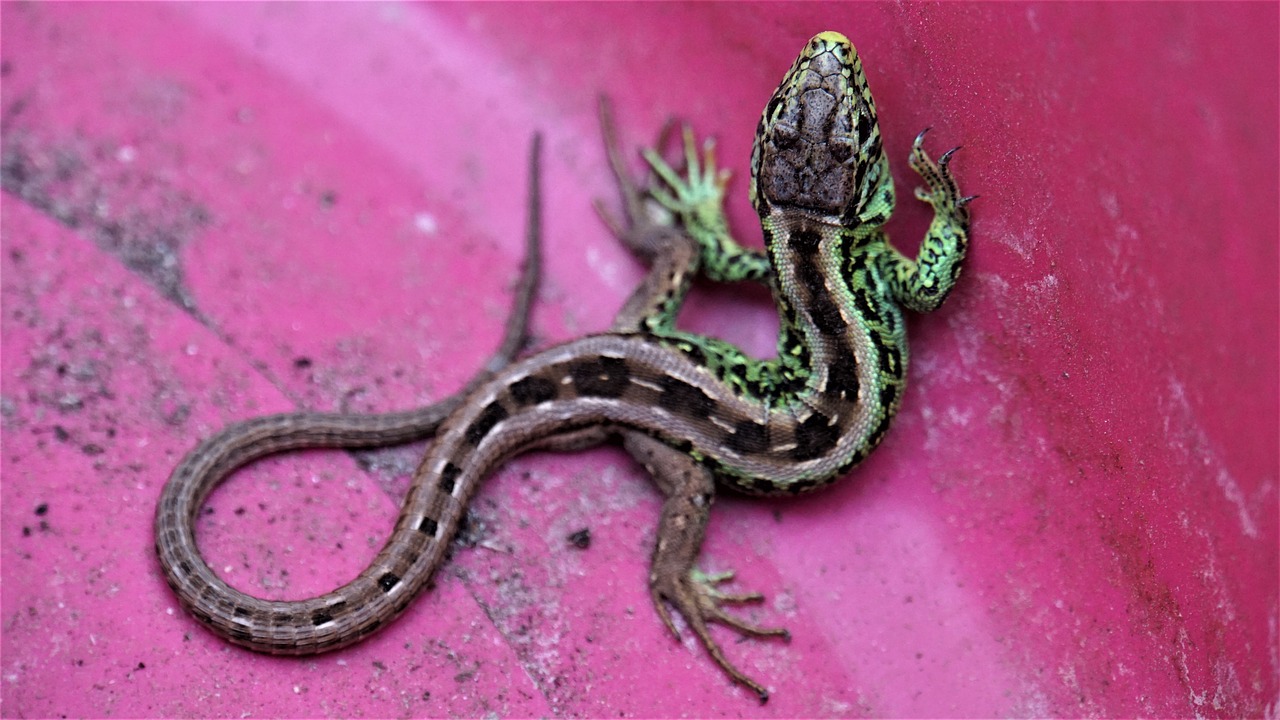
x: 213, y: 211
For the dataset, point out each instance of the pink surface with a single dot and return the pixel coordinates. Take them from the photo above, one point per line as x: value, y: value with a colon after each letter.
x: 213, y: 211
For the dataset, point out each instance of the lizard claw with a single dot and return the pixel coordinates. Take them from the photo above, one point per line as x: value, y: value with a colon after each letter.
x: 694, y: 595
x: 941, y: 191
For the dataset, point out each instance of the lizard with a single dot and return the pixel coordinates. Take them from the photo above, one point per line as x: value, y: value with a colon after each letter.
x: 694, y: 410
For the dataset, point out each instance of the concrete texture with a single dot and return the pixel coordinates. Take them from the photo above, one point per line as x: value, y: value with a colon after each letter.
x: 212, y: 211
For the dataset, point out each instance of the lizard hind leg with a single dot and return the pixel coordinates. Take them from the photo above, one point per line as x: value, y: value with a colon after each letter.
x: 689, y: 489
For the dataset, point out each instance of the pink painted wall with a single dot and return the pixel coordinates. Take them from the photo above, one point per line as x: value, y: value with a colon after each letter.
x: 1076, y: 513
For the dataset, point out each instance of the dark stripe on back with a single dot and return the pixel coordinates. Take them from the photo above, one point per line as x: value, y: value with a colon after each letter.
x: 805, y: 241
x: 492, y: 414
x: 448, y: 476
x: 842, y: 375
x: 815, y: 437
x: 822, y: 309
x: 602, y: 377
x: 748, y: 437
x: 533, y: 390
x: 680, y: 395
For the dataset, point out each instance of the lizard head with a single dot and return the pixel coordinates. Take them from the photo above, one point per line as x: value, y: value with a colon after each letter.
x: 818, y: 145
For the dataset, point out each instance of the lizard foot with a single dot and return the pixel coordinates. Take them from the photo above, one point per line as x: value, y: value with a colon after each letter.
x: 647, y: 226
x: 695, y: 596
x: 942, y: 192
x: 704, y: 189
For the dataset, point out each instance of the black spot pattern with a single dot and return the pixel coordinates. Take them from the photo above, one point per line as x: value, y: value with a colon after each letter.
x: 602, y: 377
x: 240, y: 611
x: 890, y: 320
x: 800, y: 486
x: 693, y: 352
x: 492, y: 414
x: 814, y: 437
x: 881, y: 428
x: 858, y: 457
x: 890, y: 359
x: 862, y: 300
x: 684, y: 446
x: 857, y: 260
x: 888, y: 394
x: 770, y: 110
x: 860, y: 168
x: 533, y: 390
x: 428, y: 526
x: 680, y: 395
x: 388, y: 581
x: 789, y: 386
x: 755, y: 388
x: 748, y: 437
x: 448, y: 477
x: 321, y: 617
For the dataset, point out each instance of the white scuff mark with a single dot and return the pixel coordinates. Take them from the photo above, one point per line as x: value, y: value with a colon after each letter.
x: 1231, y: 489
x: 1187, y: 436
x: 606, y: 270
x: 1047, y: 284
x: 1110, y: 203
x: 1180, y: 656
x: 1033, y: 19
x: 426, y: 223
x: 1022, y: 243
x: 1213, y: 580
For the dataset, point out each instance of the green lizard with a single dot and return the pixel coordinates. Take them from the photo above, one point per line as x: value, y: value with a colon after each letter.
x: 692, y: 409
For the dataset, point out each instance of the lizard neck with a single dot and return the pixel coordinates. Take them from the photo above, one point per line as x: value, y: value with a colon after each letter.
x: 837, y: 338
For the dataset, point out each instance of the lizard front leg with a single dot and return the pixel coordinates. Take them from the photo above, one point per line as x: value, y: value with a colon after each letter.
x: 922, y: 284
